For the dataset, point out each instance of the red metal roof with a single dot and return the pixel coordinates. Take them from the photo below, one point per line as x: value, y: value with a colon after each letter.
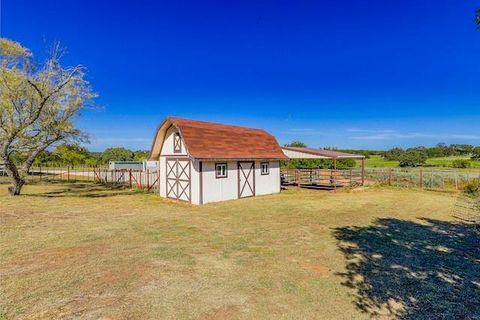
x: 207, y: 140
x: 326, y: 153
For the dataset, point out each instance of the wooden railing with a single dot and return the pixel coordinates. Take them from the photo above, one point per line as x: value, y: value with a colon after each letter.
x: 148, y: 180
x: 322, y: 178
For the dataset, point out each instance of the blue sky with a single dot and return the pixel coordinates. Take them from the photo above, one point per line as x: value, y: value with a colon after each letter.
x: 349, y: 74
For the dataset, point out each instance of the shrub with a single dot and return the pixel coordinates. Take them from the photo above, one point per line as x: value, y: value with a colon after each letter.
x: 345, y: 164
x: 476, y: 153
x: 412, y: 158
x: 473, y: 188
x: 461, y: 163
x: 394, y: 154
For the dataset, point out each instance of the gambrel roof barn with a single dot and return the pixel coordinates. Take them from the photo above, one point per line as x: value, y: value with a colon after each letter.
x: 202, y: 162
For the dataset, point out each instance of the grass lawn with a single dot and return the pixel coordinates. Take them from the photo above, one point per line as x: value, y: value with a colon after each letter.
x: 84, y: 251
x: 377, y: 161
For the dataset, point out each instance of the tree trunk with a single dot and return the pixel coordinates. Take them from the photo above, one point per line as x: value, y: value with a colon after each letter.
x: 15, y: 177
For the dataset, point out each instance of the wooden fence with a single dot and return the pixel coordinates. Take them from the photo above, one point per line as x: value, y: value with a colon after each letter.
x: 148, y: 180
x: 428, y: 178
x: 322, y: 178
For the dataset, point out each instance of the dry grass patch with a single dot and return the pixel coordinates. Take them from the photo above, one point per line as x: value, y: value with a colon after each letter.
x: 85, y: 251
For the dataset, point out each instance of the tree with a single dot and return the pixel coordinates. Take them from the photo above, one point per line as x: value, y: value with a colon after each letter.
x: 141, y: 155
x: 38, y: 103
x: 296, y: 144
x: 71, y: 154
x: 461, y: 163
x: 476, y: 153
x: 413, y: 158
x: 117, y: 154
x: 394, y: 154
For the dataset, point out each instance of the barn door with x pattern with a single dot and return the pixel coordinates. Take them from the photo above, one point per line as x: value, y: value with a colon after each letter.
x: 246, y: 179
x: 178, y: 179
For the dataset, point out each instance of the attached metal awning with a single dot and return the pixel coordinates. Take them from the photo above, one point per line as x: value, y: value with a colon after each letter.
x: 310, y: 153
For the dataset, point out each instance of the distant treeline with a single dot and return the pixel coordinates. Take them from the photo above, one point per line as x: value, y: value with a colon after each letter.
x: 410, y: 157
x: 74, y: 155
x: 418, y: 156
x: 440, y: 150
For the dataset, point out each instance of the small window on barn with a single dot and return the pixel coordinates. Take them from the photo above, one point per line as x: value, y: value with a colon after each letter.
x: 177, y: 143
x: 221, y: 170
x: 265, y: 168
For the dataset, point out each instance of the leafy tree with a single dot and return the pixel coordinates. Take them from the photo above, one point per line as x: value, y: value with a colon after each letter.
x: 394, y: 154
x: 365, y: 153
x: 296, y: 144
x: 141, y: 155
x: 38, y: 103
x: 413, y: 158
x: 476, y: 153
x: 117, y: 154
x: 317, y: 164
x: 461, y: 149
x: 71, y: 154
x: 461, y: 163
x: 346, y: 163
x: 44, y: 157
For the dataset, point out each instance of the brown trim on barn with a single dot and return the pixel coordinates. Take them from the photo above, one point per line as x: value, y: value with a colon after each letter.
x: 175, y: 187
x: 251, y: 171
x: 177, y: 142
x: 175, y: 156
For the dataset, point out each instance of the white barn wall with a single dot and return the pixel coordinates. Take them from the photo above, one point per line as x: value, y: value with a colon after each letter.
x: 220, y: 189
x: 163, y: 179
x: 195, y: 182
x: 167, y: 148
x: 270, y: 183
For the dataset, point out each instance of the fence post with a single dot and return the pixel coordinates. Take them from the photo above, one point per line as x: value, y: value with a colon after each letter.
x: 68, y: 173
x: 390, y: 172
x: 421, y: 178
x: 148, y: 179
x: 363, y: 171
x: 456, y: 181
x: 130, y: 178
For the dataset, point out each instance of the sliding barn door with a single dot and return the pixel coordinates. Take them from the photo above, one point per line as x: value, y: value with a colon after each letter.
x: 178, y: 176
x: 246, y: 179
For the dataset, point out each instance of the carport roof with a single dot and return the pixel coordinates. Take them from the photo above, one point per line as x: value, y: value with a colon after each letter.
x: 301, y: 153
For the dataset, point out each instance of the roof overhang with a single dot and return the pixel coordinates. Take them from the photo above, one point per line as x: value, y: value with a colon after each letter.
x: 310, y: 153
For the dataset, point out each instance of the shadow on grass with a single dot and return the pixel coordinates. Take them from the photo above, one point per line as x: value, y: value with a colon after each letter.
x: 83, y: 189
x: 408, y: 270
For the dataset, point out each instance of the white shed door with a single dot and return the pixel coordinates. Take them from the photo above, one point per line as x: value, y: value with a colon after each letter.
x: 246, y: 179
x: 179, y: 179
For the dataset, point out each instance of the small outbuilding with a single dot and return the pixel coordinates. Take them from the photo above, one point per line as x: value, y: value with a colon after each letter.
x: 201, y: 162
